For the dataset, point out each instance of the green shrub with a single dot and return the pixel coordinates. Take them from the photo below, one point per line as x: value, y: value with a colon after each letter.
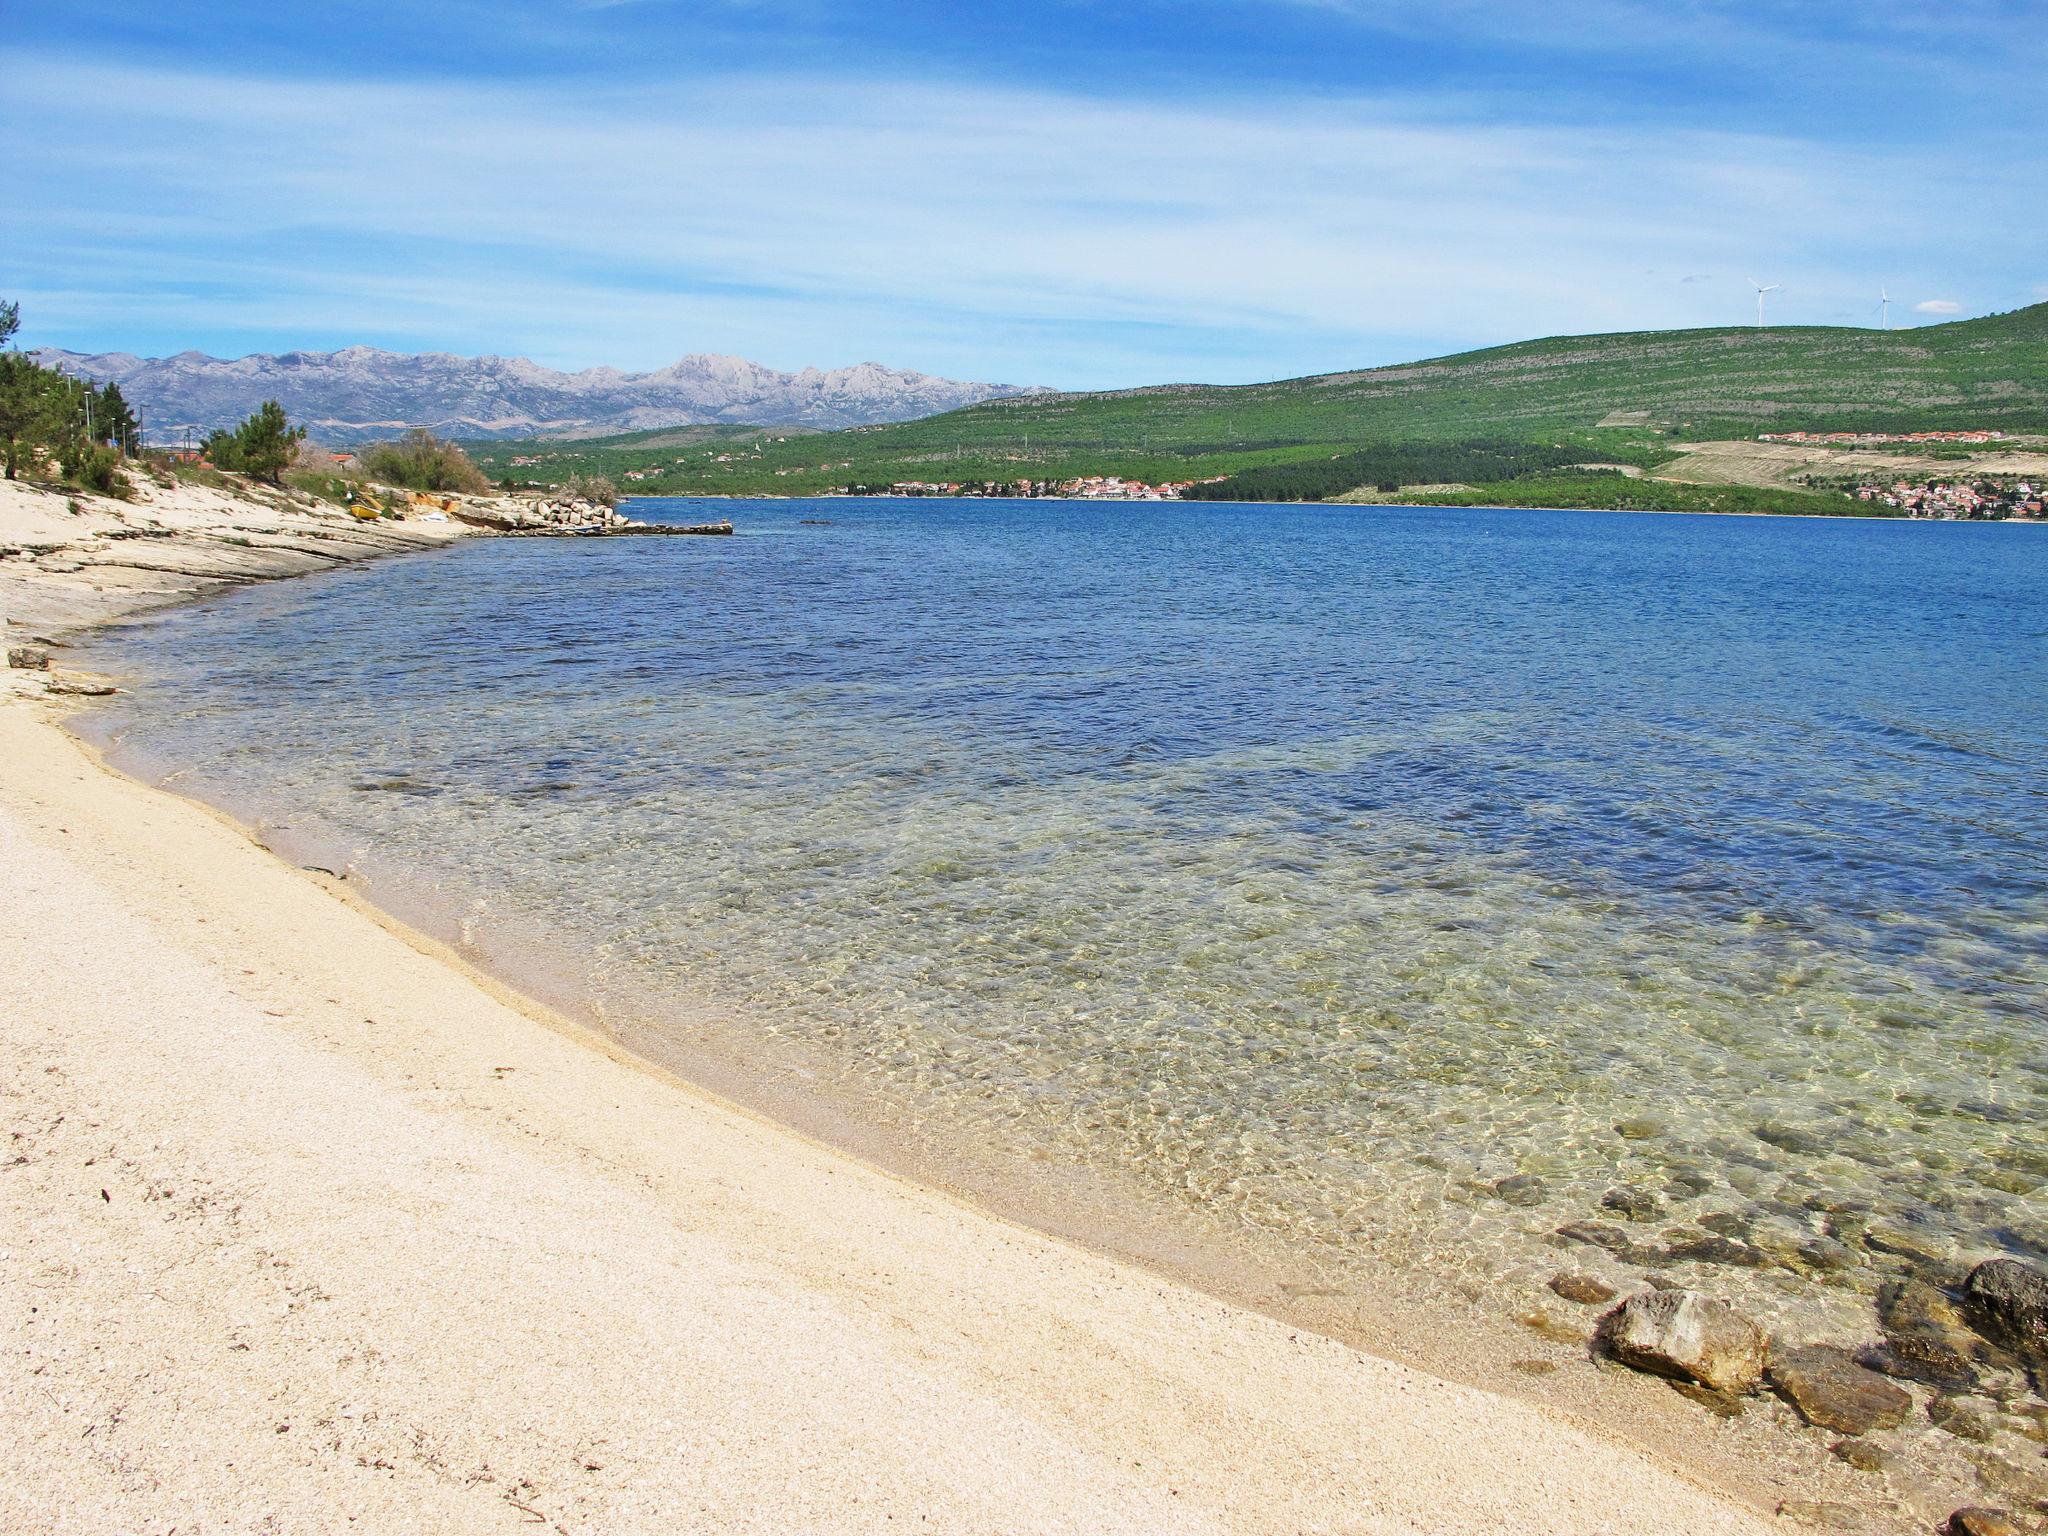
x: 95, y: 467
x: 420, y: 461
x: 592, y: 488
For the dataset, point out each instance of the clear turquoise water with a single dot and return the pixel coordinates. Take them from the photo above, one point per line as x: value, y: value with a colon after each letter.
x: 1318, y: 868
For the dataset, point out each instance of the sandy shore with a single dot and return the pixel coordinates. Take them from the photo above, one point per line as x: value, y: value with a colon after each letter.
x: 306, y: 1227
x: 303, y: 1225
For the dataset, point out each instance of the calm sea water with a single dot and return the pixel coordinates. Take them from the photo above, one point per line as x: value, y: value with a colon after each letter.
x: 1395, y: 883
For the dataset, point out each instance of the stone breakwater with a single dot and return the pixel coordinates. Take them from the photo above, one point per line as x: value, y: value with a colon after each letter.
x: 566, y: 516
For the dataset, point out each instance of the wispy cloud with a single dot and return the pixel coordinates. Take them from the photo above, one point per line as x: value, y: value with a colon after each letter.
x: 1034, y: 235
x: 1938, y: 307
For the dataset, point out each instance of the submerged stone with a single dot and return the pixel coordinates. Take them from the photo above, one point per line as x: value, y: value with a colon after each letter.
x: 1635, y: 1204
x: 1924, y: 1337
x: 1598, y: 1235
x: 1519, y: 1189
x: 1862, y: 1455
x: 1709, y: 1248
x: 1964, y: 1420
x: 1922, y: 1247
x: 2008, y: 1303
x: 1584, y: 1289
x: 1688, y: 1336
x: 1831, y: 1390
x: 1975, y: 1520
x: 1558, y: 1329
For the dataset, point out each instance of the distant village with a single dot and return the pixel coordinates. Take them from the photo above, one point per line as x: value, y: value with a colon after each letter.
x: 1087, y: 488
x: 1958, y: 501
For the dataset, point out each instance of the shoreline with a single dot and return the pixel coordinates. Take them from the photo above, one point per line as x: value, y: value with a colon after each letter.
x: 1431, y: 506
x: 1622, y: 1409
x: 526, y: 1190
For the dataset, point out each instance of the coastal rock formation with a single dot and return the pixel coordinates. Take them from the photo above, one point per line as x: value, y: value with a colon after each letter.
x: 1832, y: 1391
x: 1687, y: 1336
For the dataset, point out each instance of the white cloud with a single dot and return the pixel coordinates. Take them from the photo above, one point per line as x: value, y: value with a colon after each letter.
x: 1023, y: 234
x: 1938, y: 307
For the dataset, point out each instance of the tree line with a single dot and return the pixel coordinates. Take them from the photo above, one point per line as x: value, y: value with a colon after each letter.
x: 46, y: 415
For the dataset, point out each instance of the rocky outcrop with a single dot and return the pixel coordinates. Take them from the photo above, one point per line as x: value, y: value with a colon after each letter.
x: 1688, y: 1337
x: 1831, y: 1390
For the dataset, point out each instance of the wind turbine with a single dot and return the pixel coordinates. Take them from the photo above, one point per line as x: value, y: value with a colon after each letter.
x: 1884, y: 307
x: 1761, y: 290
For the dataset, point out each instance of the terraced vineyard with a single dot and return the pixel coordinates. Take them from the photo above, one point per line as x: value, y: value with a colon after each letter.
x: 1646, y: 386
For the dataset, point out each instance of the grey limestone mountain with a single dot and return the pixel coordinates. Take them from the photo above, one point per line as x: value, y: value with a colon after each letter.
x: 361, y: 393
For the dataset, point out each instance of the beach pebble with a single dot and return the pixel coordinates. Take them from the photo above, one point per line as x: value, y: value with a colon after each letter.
x: 1831, y: 1390
x: 1584, y: 1289
x: 1638, y: 1130
x: 28, y: 658
x: 1688, y: 1336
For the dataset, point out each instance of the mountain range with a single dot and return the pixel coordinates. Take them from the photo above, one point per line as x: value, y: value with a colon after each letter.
x: 361, y: 393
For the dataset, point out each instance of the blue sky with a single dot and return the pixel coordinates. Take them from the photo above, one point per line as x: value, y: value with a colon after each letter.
x: 1044, y: 191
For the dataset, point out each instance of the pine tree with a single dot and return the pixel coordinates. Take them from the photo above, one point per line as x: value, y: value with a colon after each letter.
x: 260, y: 447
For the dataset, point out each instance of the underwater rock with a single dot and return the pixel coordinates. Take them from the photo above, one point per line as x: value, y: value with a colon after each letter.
x: 1832, y: 1391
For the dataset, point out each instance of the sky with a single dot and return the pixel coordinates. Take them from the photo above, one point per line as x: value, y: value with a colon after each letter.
x: 1080, y: 193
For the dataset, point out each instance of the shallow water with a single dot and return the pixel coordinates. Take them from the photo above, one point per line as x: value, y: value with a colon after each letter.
x: 1322, y: 866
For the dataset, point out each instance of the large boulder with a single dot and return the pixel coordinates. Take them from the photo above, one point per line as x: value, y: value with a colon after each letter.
x: 1831, y: 1390
x: 1688, y: 1337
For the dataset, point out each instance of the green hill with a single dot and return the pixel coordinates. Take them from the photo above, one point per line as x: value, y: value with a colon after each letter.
x: 1614, y: 396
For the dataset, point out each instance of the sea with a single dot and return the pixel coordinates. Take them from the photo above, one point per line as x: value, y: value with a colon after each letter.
x: 1458, y: 895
